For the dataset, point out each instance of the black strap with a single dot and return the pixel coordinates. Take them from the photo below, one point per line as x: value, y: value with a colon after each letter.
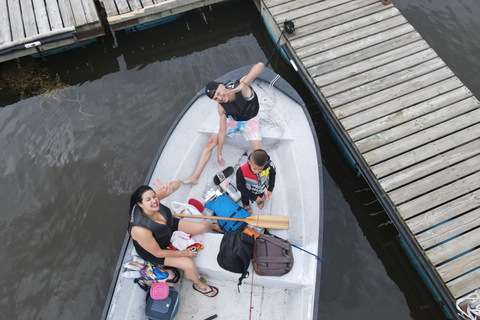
x: 142, y: 285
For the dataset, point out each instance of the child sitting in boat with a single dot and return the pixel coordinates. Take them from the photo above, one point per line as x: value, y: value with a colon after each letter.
x: 151, y: 226
x: 256, y: 179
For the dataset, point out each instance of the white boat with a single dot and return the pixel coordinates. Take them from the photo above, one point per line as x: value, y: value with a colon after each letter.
x: 290, y: 139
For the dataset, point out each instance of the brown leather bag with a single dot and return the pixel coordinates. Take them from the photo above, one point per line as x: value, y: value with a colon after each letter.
x: 272, y: 256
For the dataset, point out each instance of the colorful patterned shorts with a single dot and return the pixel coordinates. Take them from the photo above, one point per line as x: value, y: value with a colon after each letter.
x: 250, y: 129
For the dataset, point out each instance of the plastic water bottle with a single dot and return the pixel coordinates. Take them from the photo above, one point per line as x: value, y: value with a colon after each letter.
x: 230, y: 189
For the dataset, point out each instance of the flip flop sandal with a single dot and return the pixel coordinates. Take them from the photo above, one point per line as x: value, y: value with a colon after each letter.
x: 176, y: 273
x: 219, y: 177
x: 261, y: 202
x: 208, y: 292
x: 248, y: 209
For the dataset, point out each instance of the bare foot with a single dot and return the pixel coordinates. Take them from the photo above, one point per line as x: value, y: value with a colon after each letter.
x: 261, y: 203
x: 190, y: 180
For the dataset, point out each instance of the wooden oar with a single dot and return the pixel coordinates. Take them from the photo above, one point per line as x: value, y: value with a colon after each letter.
x: 261, y: 221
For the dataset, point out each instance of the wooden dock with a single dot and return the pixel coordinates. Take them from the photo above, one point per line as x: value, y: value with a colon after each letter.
x: 412, y: 124
x: 127, y: 13
x: 29, y: 26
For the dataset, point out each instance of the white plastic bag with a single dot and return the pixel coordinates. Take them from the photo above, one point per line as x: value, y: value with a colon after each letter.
x: 181, y: 240
x: 184, y: 208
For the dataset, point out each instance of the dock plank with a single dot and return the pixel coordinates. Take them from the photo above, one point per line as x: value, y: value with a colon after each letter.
x: 122, y: 6
x: 135, y: 4
x: 363, y: 54
x: 449, y: 229
x: 440, y: 196
x: 425, y: 168
x: 348, y: 48
x: 344, y: 108
x: 28, y: 18
x: 459, y: 266
x: 427, y: 151
x: 436, y: 180
x: 454, y: 247
x: 442, y: 115
x: 444, y: 212
x: 420, y: 138
x: 374, y: 81
x: 288, y: 6
x: 404, y: 95
x: 390, y: 73
x: 5, y: 35
x: 16, y: 21
x: 412, y: 113
x: 466, y: 284
x: 350, y: 31
x: 274, y: 3
x: 110, y: 7
x: 324, y: 15
x: 41, y: 17
x: 318, y: 45
x: 67, y: 13
x: 54, y: 15
x: 90, y: 11
x: 78, y: 12
x: 327, y: 81
x: 344, y: 23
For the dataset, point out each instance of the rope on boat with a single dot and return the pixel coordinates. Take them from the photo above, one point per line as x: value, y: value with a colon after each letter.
x: 472, y: 306
x: 269, y: 118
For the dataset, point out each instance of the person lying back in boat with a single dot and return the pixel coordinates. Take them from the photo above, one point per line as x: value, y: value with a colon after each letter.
x: 237, y: 107
x: 256, y: 179
x: 151, y: 226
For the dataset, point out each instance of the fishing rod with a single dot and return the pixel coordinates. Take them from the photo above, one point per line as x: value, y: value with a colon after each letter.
x: 288, y: 27
x: 320, y: 258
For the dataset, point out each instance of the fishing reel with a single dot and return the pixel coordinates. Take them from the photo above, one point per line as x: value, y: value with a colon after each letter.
x: 289, y: 26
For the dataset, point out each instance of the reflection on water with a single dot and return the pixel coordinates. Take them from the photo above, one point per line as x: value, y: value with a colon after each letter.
x: 69, y: 162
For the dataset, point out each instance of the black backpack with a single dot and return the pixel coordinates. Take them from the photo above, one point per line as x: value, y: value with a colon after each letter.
x: 236, y: 251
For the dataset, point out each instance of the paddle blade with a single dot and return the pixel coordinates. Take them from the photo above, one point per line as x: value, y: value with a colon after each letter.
x: 270, y: 222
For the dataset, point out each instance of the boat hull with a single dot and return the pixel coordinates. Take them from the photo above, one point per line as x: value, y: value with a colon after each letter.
x: 290, y: 140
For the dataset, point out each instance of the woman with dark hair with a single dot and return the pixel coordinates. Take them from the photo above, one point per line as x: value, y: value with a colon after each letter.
x: 151, y: 226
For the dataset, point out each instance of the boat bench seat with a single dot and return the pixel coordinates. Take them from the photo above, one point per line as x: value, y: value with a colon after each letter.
x: 269, y: 136
x: 208, y: 267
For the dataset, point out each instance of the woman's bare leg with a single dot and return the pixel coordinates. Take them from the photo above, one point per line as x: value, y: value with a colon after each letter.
x: 191, y: 273
x: 194, y: 227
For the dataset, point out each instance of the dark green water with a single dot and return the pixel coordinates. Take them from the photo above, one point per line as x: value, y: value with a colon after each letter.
x: 70, y: 161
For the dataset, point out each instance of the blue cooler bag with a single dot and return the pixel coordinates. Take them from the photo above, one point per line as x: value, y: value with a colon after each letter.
x: 224, y: 207
x: 164, y: 309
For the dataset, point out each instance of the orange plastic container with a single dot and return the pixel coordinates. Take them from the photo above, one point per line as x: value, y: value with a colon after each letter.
x: 251, y: 232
